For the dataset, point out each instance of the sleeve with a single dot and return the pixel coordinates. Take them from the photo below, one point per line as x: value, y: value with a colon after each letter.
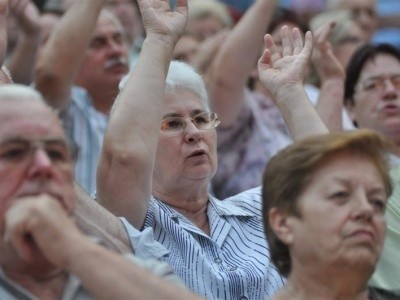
x: 143, y: 242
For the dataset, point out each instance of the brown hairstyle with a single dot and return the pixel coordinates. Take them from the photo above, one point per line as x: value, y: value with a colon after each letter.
x: 291, y: 170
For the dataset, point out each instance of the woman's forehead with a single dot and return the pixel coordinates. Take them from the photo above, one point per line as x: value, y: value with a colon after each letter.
x: 183, y: 100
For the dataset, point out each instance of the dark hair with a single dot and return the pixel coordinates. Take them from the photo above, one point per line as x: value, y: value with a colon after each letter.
x: 292, y: 169
x: 356, y: 64
x: 282, y: 15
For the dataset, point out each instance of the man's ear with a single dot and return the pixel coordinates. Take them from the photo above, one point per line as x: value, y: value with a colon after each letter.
x: 281, y: 225
x: 350, y: 108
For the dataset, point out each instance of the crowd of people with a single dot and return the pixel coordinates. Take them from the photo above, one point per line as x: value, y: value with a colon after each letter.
x: 155, y: 149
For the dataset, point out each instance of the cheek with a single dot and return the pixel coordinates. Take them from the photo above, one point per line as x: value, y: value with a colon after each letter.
x: 9, y: 182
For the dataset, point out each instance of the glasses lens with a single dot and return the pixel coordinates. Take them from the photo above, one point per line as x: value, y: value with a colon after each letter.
x: 172, y: 125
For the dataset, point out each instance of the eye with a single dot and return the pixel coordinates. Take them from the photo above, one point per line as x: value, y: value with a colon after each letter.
x: 340, y: 196
x: 59, y: 155
x: 396, y: 81
x: 172, y: 123
x: 97, y: 43
x: 372, y: 85
x: 378, y: 203
x: 202, y: 119
x: 14, y: 153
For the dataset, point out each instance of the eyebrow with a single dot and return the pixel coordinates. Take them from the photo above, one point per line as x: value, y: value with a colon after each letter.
x: 19, y: 139
x: 375, y: 77
x: 373, y: 190
x: 178, y: 115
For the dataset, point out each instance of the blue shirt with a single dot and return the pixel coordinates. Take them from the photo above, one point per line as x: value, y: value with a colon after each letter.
x: 85, y: 127
x: 233, y: 262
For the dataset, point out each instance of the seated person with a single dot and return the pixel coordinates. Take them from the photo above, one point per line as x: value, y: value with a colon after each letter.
x: 326, y: 229
x: 280, y: 65
x: 43, y: 255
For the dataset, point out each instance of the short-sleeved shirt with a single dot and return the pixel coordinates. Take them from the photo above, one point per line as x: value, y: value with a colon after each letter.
x: 233, y: 262
x: 85, y: 127
x: 245, y: 147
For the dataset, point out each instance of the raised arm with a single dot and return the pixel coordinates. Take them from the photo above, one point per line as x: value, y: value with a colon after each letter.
x: 62, y: 54
x: 282, y: 73
x: 332, y: 75
x: 236, y: 58
x: 22, y: 61
x: 124, y: 176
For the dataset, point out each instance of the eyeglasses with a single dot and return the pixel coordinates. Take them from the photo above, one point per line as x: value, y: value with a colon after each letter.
x: 176, y: 125
x: 17, y: 149
x: 378, y: 84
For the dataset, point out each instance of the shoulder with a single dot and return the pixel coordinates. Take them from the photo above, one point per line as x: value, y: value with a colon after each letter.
x: 247, y: 203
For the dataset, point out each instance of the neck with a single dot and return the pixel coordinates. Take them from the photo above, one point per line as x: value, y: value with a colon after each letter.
x: 314, y: 284
x: 192, y: 205
x: 102, y: 101
x: 49, y: 286
x: 103, y: 97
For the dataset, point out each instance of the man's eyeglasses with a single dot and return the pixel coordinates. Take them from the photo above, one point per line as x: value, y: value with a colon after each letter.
x: 18, y: 149
x: 378, y: 84
x: 176, y: 125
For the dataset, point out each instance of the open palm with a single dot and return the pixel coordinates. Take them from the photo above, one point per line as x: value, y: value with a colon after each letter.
x: 278, y: 68
x: 160, y: 19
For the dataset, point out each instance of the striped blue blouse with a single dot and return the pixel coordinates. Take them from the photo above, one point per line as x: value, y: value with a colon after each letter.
x: 233, y: 262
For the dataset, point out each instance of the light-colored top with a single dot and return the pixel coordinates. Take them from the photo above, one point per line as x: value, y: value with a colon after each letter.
x: 85, y: 127
x: 9, y: 290
x: 245, y: 147
x: 387, y: 272
x: 73, y: 290
x: 233, y: 262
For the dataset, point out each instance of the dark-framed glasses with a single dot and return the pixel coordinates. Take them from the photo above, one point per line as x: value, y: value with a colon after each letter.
x: 176, y: 125
x: 18, y: 149
x: 379, y: 84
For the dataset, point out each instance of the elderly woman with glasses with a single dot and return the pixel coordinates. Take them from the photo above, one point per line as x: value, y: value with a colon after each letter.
x: 217, y: 248
x: 162, y: 139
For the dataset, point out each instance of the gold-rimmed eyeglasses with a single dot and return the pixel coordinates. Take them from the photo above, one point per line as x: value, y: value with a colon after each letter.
x: 176, y: 125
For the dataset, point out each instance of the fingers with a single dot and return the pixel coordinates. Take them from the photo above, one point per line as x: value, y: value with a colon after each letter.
x: 323, y: 32
x: 265, y: 60
x: 297, y: 41
x: 274, y: 51
x: 308, y: 44
x: 287, y: 41
x: 321, y: 36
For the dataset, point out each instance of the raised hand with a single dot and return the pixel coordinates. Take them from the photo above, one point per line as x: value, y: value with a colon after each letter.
x: 159, y: 19
x: 27, y: 15
x: 281, y: 68
x: 325, y: 62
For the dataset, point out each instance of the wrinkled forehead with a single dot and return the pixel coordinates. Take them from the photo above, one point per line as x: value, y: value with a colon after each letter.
x: 28, y: 118
x: 183, y: 99
x: 381, y: 64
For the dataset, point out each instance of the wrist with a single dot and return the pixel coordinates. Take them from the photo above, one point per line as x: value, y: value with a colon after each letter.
x: 288, y: 92
x: 160, y: 39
